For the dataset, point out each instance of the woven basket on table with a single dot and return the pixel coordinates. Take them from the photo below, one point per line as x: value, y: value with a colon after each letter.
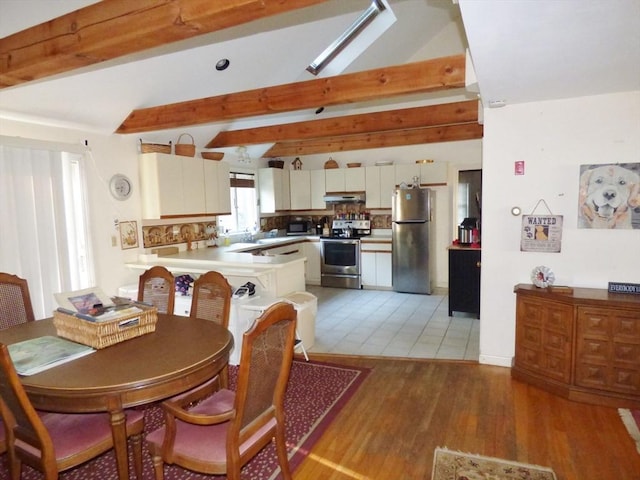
x: 154, y: 147
x: 185, y: 149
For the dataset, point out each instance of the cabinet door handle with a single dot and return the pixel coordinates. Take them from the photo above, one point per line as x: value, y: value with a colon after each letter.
x: 478, y: 264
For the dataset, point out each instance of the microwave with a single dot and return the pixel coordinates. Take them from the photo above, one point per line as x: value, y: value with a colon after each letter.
x: 298, y: 227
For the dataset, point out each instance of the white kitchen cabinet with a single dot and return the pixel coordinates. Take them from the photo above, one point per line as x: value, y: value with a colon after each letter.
x: 354, y: 180
x: 380, y: 183
x: 345, y: 179
x: 405, y: 173
x: 285, y: 192
x: 300, y: 188
x: 435, y: 173
x: 171, y: 185
x: 312, y: 267
x: 318, y: 189
x: 217, y: 187
x: 375, y: 261
x: 334, y: 179
x: 273, y: 189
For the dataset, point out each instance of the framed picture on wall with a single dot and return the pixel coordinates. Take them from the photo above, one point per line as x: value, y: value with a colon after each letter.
x: 609, y: 196
x: 128, y: 235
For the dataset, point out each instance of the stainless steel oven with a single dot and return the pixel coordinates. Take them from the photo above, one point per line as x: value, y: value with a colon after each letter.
x: 340, y: 265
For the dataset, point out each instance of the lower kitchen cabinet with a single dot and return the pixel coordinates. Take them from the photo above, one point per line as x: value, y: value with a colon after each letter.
x: 464, y: 280
x: 312, y: 272
x: 581, y: 343
x: 375, y: 260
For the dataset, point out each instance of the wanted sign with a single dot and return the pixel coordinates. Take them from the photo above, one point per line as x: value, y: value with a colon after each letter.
x: 541, y: 233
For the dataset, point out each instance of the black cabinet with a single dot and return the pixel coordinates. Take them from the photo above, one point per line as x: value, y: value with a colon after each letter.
x: 464, y: 280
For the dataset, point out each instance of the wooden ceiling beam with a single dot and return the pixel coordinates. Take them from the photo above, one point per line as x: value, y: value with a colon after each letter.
x: 449, y: 133
x: 421, y: 77
x: 114, y: 28
x: 444, y: 114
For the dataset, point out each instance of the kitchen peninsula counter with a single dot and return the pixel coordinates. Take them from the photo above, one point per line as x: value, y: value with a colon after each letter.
x: 275, y: 274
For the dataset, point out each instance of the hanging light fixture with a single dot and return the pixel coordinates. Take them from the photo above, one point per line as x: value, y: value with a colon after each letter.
x: 243, y: 155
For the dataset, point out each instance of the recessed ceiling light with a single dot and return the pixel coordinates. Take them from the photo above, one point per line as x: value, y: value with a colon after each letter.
x: 222, y: 64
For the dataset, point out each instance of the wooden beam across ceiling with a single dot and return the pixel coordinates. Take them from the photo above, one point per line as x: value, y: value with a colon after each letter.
x: 114, y: 28
x: 403, y: 119
x: 421, y: 77
x: 447, y: 133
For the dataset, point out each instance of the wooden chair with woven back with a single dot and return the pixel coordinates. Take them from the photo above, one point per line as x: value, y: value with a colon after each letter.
x: 15, y: 301
x: 53, y: 442
x: 213, y: 430
x: 212, y: 301
x: 156, y: 287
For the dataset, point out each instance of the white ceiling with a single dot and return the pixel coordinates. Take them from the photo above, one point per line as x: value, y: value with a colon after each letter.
x: 523, y: 51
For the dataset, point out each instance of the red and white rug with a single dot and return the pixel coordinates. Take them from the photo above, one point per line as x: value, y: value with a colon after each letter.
x: 631, y: 420
x: 315, y: 395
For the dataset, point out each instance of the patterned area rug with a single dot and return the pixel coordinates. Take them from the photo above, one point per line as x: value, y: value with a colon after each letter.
x: 631, y: 420
x: 450, y: 465
x: 315, y: 395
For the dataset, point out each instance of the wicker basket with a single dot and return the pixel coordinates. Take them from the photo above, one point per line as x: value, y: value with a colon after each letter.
x: 212, y: 155
x: 185, y: 149
x: 276, y: 163
x: 104, y: 334
x: 154, y: 147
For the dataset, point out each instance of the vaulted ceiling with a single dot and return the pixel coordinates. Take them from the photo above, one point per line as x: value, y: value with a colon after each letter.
x: 147, y: 68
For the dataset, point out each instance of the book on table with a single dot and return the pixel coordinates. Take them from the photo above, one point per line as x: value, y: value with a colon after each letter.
x: 93, y: 305
x: 38, y: 354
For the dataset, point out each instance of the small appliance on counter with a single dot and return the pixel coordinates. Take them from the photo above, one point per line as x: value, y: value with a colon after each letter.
x: 469, y: 232
x: 299, y: 227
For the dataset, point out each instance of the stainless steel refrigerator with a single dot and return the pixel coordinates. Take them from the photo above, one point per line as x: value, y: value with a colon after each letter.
x: 411, y: 233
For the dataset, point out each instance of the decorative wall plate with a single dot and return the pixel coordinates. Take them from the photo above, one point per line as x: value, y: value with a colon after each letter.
x: 542, y: 276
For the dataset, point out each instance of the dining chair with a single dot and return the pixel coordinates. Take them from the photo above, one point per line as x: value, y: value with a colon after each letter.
x: 54, y: 442
x: 15, y: 301
x: 3, y: 441
x: 212, y: 301
x: 156, y: 286
x: 213, y: 430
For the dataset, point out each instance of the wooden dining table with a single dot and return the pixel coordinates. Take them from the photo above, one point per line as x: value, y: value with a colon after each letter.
x: 182, y: 352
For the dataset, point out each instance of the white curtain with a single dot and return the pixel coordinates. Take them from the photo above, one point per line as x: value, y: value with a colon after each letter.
x: 42, y: 216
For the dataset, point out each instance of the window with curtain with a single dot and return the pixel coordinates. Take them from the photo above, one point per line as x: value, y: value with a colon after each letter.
x: 244, y: 205
x: 44, y: 218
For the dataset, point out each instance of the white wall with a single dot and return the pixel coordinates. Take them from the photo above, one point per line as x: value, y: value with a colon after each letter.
x: 553, y: 138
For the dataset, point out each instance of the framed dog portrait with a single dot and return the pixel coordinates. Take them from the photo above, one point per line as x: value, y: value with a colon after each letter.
x: 609, y: 196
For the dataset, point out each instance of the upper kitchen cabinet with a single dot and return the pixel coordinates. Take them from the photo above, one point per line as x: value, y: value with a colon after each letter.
x: 435, y: 173
x: 274, y: 189
x: 405, y: 173
x: 345, y: 179
x: 318, y: 189
x: 300, y: 188
x: 380, y: 183
x: 171, y: 185
x: 217, y: 187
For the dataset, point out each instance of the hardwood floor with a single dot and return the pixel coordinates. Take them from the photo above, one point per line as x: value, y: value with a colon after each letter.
x: 406, y: 408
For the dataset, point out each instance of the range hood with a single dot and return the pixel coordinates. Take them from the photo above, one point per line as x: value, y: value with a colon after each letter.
x: 344, y: 198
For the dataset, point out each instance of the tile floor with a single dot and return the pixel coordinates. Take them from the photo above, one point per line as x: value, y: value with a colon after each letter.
x: 374, y: 322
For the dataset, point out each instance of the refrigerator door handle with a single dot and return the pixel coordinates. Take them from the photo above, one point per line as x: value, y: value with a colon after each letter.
x: 409, y: 221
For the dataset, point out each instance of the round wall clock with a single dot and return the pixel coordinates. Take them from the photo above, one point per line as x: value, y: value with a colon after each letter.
x: 120, y: 186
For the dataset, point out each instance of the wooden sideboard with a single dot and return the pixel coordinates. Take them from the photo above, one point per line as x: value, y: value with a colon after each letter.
x: 582, y: 344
